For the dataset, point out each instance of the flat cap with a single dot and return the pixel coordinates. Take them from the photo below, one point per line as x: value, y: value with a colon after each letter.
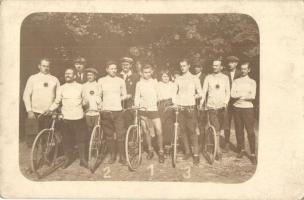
x: 110, y: 62
x: 232, y: 59
x: 126, y: 59
x: 92, y: 70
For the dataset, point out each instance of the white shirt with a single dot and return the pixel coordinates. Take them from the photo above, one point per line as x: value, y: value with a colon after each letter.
x: 188, y: 85
x: 90, y: 90
x: 243, y: 87
x: 218, y: 88
x: 125, y: 75
x: 113, y: 91
x: 166, y: 90
x: 146, y: 94
x: 70, y: 95
x: 40, y: 92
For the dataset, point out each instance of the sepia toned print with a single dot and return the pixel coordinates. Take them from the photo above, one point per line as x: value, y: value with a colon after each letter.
x: 139, y: 97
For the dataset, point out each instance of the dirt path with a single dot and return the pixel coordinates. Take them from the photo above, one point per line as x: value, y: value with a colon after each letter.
x: 229, y: 170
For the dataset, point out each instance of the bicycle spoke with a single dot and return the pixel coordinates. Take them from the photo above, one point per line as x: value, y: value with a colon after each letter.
x: 44, y: 152
x: 133, y: 148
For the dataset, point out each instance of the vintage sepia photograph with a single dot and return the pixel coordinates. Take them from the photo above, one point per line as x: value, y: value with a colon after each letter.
x: 139, y: 97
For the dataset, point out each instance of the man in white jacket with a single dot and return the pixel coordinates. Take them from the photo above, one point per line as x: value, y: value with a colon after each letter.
x: 71, y: 97
x: 244, y: 91
x: 216, y: 95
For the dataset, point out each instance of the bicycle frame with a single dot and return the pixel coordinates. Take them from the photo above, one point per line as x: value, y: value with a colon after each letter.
x: 50, y: 142
x: 138, y: 139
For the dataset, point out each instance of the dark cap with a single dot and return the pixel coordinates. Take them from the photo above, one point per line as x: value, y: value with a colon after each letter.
x: 92, y: 70
x: 126, y: 59
x: 80, y: 60
x: 110, y: 62
x: 232, y: 59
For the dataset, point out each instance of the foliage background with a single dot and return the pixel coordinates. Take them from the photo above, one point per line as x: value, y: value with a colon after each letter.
x: 160, y: 39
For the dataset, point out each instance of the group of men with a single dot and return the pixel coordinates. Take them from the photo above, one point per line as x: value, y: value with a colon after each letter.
x: 220, y: 95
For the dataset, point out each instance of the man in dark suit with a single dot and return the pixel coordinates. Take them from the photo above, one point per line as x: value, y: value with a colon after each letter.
x: 130, y: 79
x: 199, y: 72
x: 233, y: 73
x: 80, y: 65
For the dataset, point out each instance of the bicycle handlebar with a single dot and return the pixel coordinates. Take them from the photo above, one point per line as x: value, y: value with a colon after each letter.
x: 54, y: 115
x: 99, y: 110
x: 135, y: 108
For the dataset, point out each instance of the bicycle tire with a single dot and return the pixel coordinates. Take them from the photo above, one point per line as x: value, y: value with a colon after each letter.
x: 48, y: 142
x: 97, y: 148
x: 174, y: 146
x: 133, y: 147
x: 210, y: 144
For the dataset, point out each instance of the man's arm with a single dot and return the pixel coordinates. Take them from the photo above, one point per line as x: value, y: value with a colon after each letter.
x: 99, y: 89
x: 251, y: 93
x: 173, y: 93
x: 137, y: 94
x: 205, y: 90
x: 176, y: 90
x: 57, y: 101
x: 123, y: 90
x: 198, y: 87
x: 227, y: 90
x: 27, y: 94
x: 85, y: 100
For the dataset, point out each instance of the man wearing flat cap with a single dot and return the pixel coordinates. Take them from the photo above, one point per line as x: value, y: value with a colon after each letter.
x: 80, y: 64
x: 233, y: 73
x: 130, y: 79
x: 92, y: 97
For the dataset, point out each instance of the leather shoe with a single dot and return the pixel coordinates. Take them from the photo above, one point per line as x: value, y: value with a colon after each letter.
x: 196, y: 160
x: 161, y: 158
x: 241, y: 154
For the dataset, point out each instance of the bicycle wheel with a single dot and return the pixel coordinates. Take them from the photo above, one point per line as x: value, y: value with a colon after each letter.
x: 97, y: 148
x: 44, y: 152
x: 210, y: 144
x: 133, y: 147
x: 174, y: 146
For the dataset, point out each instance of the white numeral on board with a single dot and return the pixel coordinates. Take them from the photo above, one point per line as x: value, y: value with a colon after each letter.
x: 187, y: 173
x: 151, y: 168
x: 107, y: 172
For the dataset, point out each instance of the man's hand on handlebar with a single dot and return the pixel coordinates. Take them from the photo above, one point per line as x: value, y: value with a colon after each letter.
x: 46, y: 112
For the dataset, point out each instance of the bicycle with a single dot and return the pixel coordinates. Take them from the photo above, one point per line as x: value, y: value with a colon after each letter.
x: 45, y: 148
x: 210, y: 143
x: 97, y: 146
x: 133, y: 143
x: 176, y: 133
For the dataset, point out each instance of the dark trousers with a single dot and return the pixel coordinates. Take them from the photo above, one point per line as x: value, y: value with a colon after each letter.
x: 244, y: 118
x: 44, y: 121
x: 113, y: 122
x: 167, y: 118
x: 202, y: 121
x: 188, y: 125
x: 73, y: 132
x: 91, y: 122
x: 129, y: 114
x: 229, y: 119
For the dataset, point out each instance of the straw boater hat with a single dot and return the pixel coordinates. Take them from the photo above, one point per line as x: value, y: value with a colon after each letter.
x: 92, y: 70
